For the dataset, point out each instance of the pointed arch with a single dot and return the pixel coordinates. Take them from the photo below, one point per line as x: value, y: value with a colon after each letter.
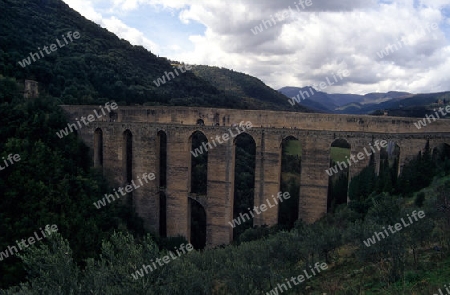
x: 198, y: 224
x: 338, y: 182
x: 244, y: 181
x: 291, y: 156
x: 98, y: 148
x: 198, y: 174
x: 127, y: 161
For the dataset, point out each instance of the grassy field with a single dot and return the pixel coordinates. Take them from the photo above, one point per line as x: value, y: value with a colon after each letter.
x: 293, y: 148
x: 350, y: 274
x: 338, y: 154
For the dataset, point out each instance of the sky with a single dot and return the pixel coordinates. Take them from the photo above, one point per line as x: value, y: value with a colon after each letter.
x: 381, y: 45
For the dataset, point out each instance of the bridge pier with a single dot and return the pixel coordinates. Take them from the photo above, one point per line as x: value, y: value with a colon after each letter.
x: 145, y: 159
x: 178, y: 164
x: 220, y: 194
x: 267, y: 176
x: 314, y: 179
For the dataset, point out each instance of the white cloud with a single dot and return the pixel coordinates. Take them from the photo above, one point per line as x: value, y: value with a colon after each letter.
x: 133, y: 35
x: 86, y: 9
x: 113, y: 24
x: 311, y: 43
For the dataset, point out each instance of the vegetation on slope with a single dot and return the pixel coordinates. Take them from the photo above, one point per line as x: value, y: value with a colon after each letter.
x: 413, y: 261
x: 53, y: 183
x: 249, y: 88
x: 99, y: 66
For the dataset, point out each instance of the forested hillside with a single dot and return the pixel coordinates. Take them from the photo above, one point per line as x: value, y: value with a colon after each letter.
x: 53, y: 183
x: 245, y: 86
x: 98, y: 66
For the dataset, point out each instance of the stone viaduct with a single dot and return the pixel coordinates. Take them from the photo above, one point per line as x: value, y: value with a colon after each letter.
x: 139, y: 130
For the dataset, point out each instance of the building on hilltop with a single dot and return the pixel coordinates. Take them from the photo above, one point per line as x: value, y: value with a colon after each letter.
x: 31, y: 89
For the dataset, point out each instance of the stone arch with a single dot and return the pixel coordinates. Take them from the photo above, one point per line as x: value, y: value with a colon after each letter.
x: 162, y: 214
x: 200, y: 122
x: 441, y: 151
x: 198, y: 224
x: 290, y: 172
x: 127, y: 160
x: 441, y: 156
x: 161, y: 148
x: 113, y: 116
x: 389, y: 160
x: 244, y: 153
x: 216, y: 119
x: 339, y: 172
x: 161, y: 153
x: 98, y: 148
x: 198, y: 167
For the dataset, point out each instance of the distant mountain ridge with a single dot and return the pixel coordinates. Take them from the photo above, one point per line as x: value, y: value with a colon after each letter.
x: 392, y: 102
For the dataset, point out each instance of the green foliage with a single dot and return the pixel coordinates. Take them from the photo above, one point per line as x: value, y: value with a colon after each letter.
x: 51, y: 268
x: 10, y: 90
x: 53, y: 183
x: 253, y: 234
x: 291, y: 161
x: 99, y: 66
x: 293, y: 148
x: 171, y: 242
x: 418, y: 173
x: 199, y: 164
x: 339, y: 154
x: 255, y: 267
x: 251, y: 90
x: 420, y: 198
x: 363, y: 184
x: 244, y: 180
x: 198, y: 225
x: 338, y: 182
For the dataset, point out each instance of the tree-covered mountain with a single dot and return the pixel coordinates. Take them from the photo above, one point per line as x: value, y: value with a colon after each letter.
x: 415, y: 106
x: 98, y: 66
x: 309, y: 97
x: 335, y: 103
x: 249, y: 88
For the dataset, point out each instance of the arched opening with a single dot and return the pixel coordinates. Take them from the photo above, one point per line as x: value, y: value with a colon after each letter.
x: 291, y: 159
x: 98, y: 148
x: 162, y: 176
x: 198, y: 224
x: 244, y: 182
x: 389, y: 166
x: 162, y: 214
x: 441, y: 152
x: 216, y: 119
x: 338, y: 174
x: 200, y: 122
x: 113, y: 116
x: 199, y: 163
x: 441, y: 156
x: 127, y: 160
x: 162, y: 152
